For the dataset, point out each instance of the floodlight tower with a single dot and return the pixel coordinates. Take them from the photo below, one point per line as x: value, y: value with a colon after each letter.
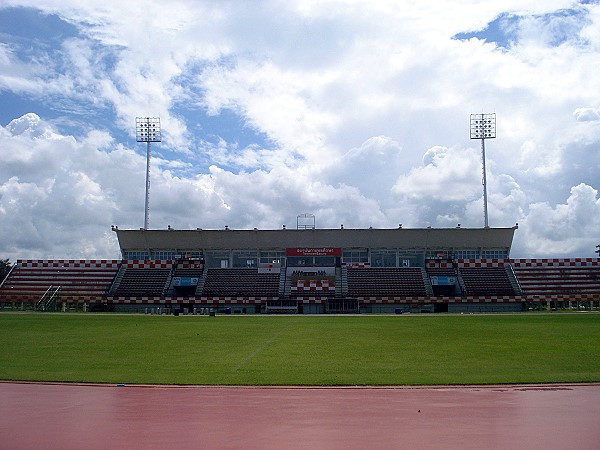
x: 147, y: 129
x: 483, y: 126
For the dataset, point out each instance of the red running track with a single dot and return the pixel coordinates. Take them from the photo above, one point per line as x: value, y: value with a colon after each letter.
x: 100, y: 416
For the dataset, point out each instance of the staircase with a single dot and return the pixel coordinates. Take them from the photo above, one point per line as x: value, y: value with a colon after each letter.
x: 283, y: 287
x: 201, y: 282
x: 427, y: 283
x: 461, y: 283
x: 287, y: 291
x: 341, y: 282
x: 117, y: 281
x: 513, y: 279
x: 169, y: 289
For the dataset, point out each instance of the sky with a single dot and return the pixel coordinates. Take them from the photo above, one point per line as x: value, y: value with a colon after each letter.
x: 357, y: 112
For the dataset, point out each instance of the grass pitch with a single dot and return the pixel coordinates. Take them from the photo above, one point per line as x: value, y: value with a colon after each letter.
x: 322, y: 350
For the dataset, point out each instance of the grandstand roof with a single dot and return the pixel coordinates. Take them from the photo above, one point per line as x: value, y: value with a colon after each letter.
x: 403, y: 238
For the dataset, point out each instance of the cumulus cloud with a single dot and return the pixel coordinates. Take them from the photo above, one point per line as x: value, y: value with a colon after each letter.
x: 564, y: 228
x: 71, y: 191
x: 447, y: 189
x: 30, y: 125
x: 446, y: 175
x: 53, y: 203
x: 372, y: 168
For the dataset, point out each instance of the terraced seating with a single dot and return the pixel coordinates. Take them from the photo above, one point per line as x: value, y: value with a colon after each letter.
x: 554, y: 279
x: 78, y: 281
x: 191, y: 272
x: 486, y: 281
x: 388, y: 282
x: 142, y: 282
x: 441, y: 271
x: 240, y: 282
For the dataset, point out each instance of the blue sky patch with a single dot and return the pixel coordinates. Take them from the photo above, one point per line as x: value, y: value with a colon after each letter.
x: 557, y: 27
x: 499, y: 31
x: 19, y: 25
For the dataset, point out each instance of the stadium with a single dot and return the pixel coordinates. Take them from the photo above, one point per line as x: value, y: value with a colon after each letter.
x: 306, y: 270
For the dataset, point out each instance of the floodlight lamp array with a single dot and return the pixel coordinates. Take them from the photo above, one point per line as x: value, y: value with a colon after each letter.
x: 147, y: 129
x: 483, y: 126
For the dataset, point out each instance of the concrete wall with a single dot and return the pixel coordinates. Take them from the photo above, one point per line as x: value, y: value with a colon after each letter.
x: 149, y: 308
x: 391, y: 308
x: 319, y: 308
x: 484, y: 307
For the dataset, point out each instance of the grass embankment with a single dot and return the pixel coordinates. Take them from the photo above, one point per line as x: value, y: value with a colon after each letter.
x: 382, y: 350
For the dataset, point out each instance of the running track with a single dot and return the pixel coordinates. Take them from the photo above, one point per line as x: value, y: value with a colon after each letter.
x: 71, y: 416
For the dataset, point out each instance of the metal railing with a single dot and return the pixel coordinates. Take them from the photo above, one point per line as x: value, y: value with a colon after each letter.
x: 48, y: 301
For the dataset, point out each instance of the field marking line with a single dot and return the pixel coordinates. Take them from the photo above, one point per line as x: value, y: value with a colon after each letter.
x: 259, y: 349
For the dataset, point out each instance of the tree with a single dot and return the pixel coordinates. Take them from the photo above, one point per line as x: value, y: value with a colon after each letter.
x: 5, y: 266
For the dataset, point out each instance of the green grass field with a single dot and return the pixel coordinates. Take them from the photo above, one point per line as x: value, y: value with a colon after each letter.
x: 323, y: 350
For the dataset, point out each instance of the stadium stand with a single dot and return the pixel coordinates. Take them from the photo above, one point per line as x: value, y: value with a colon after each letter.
x: 561, y: 282
x: 78, y: 280
x: 142, y: 282
x: 386, y: 282
x: 443, y: 278
x: 442, y: 271
x: 333, y: 274
x: 240, y: 282
x: 485, y: 281
x: 312, y: 285
x: 186, y: 279
x: 194, y: 272
x: 547, y: 277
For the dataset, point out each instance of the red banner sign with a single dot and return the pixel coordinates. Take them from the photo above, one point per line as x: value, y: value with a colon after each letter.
x: 311, y: 251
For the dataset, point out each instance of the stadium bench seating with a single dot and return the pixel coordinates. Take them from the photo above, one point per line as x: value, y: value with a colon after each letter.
x: 142, y: 282
x: 187, y: 272
x: 240, y: 282
x: 486, y: 281
x: 29, y: 281
x: 548, y: 280
x: 389, y: 282
x: 441, y: 271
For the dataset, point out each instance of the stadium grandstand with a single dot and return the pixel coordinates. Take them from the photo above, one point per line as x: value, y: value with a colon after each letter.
x: 307, y: 271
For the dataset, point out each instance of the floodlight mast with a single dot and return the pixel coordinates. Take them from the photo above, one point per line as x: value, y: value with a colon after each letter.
x: 147, y: 129
x: 483, y: 126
